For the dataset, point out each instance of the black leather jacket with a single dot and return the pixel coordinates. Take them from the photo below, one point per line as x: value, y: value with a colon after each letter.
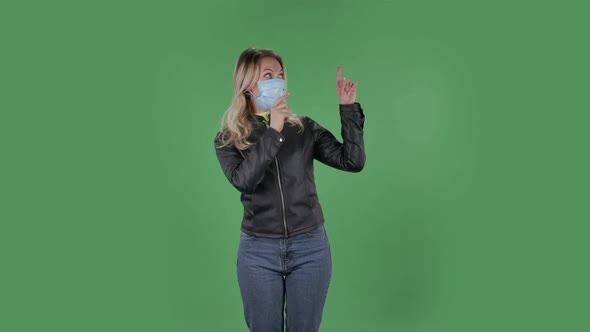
x: 275, y: 176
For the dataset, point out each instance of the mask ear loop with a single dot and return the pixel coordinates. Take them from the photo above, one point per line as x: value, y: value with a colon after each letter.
x: 249, y: 93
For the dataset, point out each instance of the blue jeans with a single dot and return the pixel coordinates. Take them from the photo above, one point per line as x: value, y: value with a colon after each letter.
x: 296, y: 269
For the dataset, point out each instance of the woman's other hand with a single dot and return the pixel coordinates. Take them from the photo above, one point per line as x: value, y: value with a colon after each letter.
x: 346, y: 89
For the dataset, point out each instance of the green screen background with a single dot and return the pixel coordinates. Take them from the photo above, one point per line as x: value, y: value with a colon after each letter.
x: 470, y: 215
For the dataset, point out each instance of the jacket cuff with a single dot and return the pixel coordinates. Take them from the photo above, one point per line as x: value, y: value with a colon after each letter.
x: 356, y: 107
x: 276, y: 135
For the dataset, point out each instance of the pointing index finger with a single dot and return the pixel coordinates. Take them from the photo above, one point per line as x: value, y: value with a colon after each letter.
x: 339, y: 73
x: 280, y: 99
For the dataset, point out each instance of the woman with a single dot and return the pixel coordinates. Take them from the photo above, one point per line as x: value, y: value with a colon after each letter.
x: 267, y: 153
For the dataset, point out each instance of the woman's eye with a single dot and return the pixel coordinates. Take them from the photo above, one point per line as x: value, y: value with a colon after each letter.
x: 269, y: 76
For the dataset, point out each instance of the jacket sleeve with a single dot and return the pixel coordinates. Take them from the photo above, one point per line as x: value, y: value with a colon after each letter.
x: 349, y: 155
x: 245, y: 170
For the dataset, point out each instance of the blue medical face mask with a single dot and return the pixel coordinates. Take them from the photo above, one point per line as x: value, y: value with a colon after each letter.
x: 269, y: 92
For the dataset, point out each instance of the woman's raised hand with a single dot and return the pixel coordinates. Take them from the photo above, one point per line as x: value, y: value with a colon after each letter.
x: 279, y: 112
x: 346, y: 89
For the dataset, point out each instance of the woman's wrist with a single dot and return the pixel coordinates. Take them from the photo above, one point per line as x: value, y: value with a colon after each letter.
x: 276, y: 126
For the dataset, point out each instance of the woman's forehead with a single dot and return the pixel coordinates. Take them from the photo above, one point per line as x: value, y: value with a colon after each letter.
x: 270, y: 63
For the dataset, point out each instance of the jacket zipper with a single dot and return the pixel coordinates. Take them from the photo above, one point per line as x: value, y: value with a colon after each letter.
x: 282, y: 198
x: 280, y: 190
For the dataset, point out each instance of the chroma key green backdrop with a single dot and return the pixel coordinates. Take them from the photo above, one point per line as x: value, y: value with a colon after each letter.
x: 470, y: 215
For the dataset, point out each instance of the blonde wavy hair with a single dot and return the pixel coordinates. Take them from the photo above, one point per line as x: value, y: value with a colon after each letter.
x: 235, y: 125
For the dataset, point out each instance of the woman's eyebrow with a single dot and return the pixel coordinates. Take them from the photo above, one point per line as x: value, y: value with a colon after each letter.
x: 271, y: 69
